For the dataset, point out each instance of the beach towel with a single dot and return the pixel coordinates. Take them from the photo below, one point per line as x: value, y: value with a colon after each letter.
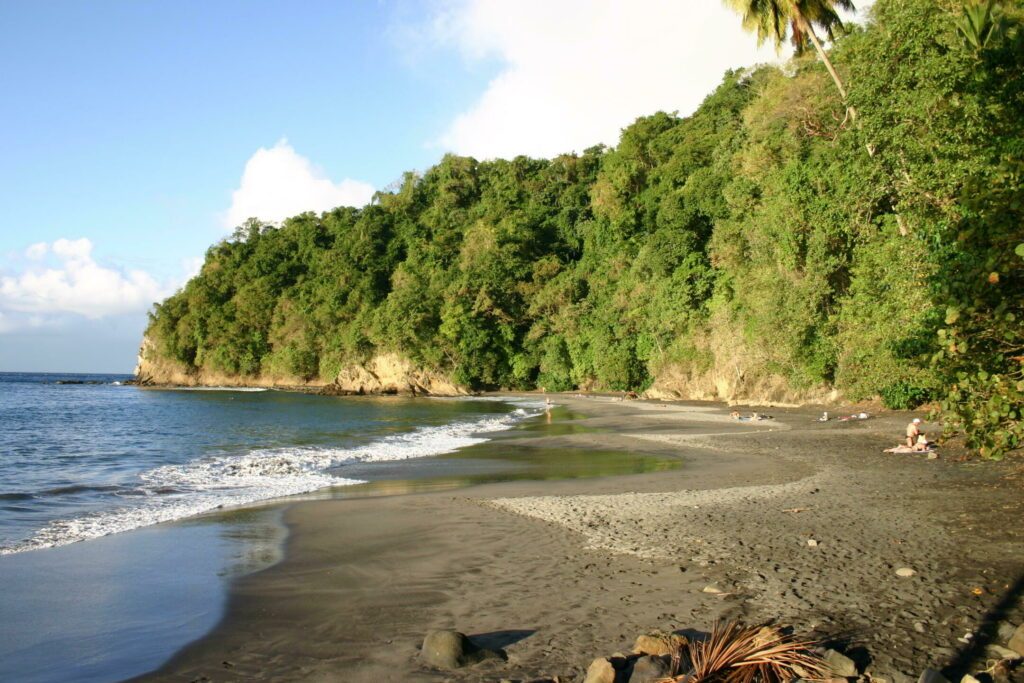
x: 907, y: 449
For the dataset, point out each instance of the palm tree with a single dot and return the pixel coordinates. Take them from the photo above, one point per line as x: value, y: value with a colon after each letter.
x: 794, y: 19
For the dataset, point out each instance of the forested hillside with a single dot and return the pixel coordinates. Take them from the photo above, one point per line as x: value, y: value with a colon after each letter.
x: 778, y: 243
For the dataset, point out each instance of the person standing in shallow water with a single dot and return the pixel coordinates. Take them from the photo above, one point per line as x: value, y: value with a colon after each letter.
x: 913, y: 431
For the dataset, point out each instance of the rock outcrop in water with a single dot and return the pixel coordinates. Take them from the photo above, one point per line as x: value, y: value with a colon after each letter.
x: 386, y: 373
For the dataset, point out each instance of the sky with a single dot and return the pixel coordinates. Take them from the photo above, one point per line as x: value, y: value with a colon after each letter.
x: 137, y: 134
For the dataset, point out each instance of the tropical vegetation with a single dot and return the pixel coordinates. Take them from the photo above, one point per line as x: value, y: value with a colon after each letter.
x: 769, y: 232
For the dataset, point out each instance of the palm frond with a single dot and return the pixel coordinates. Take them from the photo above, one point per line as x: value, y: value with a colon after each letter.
x: 777, y: 20
x: 748, y: 654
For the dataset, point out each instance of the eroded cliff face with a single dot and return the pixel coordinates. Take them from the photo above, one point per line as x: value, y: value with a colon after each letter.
x: 389, y: 373
x: 734, y: 385
x: 386, y: 373
x: 733, y: 375
x: 726, y: 367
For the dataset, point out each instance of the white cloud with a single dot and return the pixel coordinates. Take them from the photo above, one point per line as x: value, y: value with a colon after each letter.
x: 577, y: 71
x: 72, y: 282
x: 278, y: 183
x: 19, y: 322
x: 191, y: 266
x: 37, y: 251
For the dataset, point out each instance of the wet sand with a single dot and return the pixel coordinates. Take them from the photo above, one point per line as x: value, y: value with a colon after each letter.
x: 559, y: 572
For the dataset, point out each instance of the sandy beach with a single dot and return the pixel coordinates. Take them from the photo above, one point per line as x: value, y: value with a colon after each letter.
x: 788, y: 519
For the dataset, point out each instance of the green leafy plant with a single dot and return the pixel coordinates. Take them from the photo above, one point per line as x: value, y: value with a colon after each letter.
x: 904, y: 396
x: 981, y: 23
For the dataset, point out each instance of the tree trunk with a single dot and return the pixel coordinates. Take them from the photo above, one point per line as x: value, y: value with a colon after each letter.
x: 807, y: 28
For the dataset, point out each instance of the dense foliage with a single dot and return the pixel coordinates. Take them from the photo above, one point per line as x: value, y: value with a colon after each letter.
x: 877, y: 254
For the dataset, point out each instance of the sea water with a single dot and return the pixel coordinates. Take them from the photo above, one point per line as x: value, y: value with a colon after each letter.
x: 82, y: 461
x: 124, y: 512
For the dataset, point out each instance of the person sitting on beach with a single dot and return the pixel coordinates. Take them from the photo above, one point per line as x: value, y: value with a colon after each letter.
x: 913, y: 431
x: 922, y: 443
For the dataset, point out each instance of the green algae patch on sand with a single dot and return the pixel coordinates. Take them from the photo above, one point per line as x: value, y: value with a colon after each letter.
x: 556, y: 421
x: 494, y: 463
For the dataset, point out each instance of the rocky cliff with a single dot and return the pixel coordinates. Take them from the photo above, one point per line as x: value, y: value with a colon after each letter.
x: 735, y: 384
x: 385, y: 373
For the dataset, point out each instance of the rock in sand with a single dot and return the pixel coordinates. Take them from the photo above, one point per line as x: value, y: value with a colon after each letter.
x: 648, y: 669
x: 658, y: 644
x: 932, y: 676
x: 1000, y: 652
x: 1016, y: 641
x: 453, y: 650
x: 839, y: 664
x: 1005, y: 632
x: 600, y: 671
x: 905, y: 572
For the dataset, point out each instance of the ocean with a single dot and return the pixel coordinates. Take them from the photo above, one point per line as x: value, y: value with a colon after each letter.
x: 81, y: 461
x: 125, y: 512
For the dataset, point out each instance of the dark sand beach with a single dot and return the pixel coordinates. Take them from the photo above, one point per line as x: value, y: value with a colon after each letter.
x: 559, y: 572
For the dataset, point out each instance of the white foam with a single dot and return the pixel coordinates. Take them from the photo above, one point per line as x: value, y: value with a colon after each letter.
x: 249, y: 389
x: 173, y: 492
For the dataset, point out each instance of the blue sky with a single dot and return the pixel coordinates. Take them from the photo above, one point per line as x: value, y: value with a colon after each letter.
x: 130, y: 121
x: 134, y: 132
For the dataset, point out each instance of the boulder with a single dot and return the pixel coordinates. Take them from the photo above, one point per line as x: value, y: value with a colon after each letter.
x: 648, y: 669
x: 905, y: 572
x: 839, y: 664
x: 600, y: 671
x: 658, y: 643
x: 932, y: 676
x: 1016, y: 641
x: 453, y: 650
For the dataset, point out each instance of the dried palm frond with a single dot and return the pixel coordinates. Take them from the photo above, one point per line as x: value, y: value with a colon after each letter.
x: 749, y: 654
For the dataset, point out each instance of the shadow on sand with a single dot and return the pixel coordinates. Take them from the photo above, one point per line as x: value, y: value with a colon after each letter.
x: 499, y: 640
x: 971, y: 655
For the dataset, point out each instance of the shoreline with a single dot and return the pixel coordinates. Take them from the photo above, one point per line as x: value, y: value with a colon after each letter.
x: 558, y: 572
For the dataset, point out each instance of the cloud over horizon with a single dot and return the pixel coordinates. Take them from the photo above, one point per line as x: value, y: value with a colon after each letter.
x: 62, y: 278
x: 577, y: 71
x: 279, y: 182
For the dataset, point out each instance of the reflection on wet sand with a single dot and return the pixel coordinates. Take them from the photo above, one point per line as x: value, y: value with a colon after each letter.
x: 522, y: 463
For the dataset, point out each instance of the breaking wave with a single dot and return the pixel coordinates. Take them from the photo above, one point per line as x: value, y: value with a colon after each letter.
x: 172, y: 492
